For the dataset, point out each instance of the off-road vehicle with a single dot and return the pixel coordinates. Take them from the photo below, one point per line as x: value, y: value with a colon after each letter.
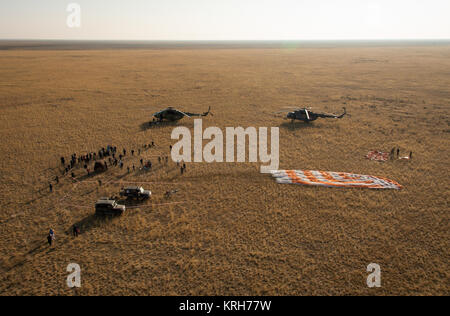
x: 106, y: 206
x: 135, y: 192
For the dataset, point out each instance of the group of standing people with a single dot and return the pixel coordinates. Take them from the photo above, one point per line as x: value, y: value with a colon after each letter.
x: 51, y: 234
x: 85, y: 159
x: 395, y: 154
x: 109, y: 154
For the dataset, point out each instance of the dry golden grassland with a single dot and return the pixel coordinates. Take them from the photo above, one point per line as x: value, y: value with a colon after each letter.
x: 235, y: 231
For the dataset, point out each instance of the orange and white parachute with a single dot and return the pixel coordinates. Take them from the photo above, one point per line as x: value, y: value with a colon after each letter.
x: 333, y: 179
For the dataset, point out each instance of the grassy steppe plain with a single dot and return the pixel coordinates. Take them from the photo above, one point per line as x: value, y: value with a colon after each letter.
x: 235, y: 231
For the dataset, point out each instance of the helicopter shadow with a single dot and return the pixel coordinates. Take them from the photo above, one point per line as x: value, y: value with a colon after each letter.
x: 155, y: 125
x: 293, y: 126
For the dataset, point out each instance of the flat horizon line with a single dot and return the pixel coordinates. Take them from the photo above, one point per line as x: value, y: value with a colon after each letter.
x: 91, y: 44
x: 227, y: 40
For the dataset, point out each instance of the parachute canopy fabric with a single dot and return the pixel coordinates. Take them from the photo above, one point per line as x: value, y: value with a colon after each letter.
x: 378, y: 156
x: 333, y: 179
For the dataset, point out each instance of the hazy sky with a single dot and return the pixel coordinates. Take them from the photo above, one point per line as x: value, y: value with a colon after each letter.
x: 227, y: 19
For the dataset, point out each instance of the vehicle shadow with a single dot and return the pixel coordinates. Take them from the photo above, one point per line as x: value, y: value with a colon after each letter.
x: 129, y: 202
x: 90, y: 222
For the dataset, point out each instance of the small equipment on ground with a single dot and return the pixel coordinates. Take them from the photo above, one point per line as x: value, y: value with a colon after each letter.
x: 99, y: 167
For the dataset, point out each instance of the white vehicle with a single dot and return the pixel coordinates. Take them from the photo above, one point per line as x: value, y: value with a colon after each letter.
x: 136, y: 192
x: 106, y: 206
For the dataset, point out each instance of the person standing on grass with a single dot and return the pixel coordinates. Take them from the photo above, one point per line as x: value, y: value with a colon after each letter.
x: 76, y: 230
x: 51, y: 236
x: 50, y: 186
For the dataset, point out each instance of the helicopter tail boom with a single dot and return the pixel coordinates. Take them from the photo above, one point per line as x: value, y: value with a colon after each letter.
x: 196, y: 114
x: 343, y: 114
x: 323, y: 115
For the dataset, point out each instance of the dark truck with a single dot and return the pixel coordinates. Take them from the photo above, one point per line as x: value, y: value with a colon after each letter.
x: 106, y: 206
x: 135, y: 192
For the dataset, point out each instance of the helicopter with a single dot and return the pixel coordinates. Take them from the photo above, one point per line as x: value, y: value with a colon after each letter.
x: 306, y: 115
x: 172, y: 115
